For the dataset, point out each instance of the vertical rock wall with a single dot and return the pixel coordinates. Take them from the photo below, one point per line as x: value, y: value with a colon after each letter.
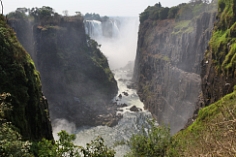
x: 75, y: 74
x: 167, y: 67
x: 218, y: 67
x: 19, y: 77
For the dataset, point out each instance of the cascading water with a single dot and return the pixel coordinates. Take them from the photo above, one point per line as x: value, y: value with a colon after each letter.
x: 106, y: 29
x: 120, y: 50
x: 93, y: 28
x: 131, y: 123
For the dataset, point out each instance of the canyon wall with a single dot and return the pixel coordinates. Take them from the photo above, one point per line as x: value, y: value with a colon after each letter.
x: 168, y: 65
x: 218, y: 67
x: 75, y: 74
x: 19, y: 77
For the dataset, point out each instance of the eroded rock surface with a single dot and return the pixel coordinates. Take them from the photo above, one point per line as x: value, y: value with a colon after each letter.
x: 167, y: 67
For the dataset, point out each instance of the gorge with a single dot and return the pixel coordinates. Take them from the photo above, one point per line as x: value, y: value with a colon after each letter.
x: 105, y: 76
x: 168, y: 64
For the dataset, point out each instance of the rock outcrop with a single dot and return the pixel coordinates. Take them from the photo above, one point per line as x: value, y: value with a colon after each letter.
x: 75, y: 74
x: 19, y: 77
x: 218, y: 67
x: 168, y: 65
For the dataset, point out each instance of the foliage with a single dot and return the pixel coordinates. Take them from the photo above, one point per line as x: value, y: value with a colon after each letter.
x: 213, y: 133
x: 181, y: 12
x: 97, y: 149
x: 11, y: 144
x: 99, y: 59
x: 152, y: 142
x: 64, y: 147
x: 222, y: 44
x: 19, y: 77
x: 92, y: 16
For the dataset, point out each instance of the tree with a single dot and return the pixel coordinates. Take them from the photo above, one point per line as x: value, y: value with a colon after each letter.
x: 151, y: 142
x: 65, y: 147
x: 97, y: 149
x: 164, y: 13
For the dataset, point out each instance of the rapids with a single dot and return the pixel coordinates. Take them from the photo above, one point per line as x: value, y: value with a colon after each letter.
x: 120, y: 51
x: 131, y: 123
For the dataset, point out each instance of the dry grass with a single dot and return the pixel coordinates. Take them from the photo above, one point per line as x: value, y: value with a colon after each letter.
x: 213, y: 134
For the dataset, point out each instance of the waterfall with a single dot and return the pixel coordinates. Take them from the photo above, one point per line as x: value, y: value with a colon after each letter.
x: 118, y: 37
x: 93, y: 28
x: 105, y: 29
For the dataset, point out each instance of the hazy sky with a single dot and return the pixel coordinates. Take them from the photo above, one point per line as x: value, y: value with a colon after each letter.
x: 103, y: 7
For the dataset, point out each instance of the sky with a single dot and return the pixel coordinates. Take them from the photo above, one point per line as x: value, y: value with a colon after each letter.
x: 102, y: 7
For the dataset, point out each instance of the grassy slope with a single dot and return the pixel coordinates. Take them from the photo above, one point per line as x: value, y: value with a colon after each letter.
x: 212, y: 133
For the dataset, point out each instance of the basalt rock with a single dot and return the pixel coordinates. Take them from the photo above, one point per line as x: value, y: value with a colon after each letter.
x: 75, y: 74
x: 168, y: 65
x: 218, y: 67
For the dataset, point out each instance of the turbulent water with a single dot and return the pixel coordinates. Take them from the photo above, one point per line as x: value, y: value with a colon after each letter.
x: 131, y: 123
x: 120, y: 51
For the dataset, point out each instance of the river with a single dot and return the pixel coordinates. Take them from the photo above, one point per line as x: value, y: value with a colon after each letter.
x: 131, y: 123
x: 120, y: 52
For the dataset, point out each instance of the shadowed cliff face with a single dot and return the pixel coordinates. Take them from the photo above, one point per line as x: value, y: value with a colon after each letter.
x: 75, y: 74
x: 167, y: 67
x: 19, y: 77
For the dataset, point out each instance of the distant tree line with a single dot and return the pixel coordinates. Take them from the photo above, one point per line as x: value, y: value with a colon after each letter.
x: 94, y: 16
x: 44, y: 15
x: 48, y: 15
x: 184, y: 11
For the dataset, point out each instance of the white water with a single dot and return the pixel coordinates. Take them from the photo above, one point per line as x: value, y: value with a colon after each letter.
x: 120, y: 51
x: 93, y: 28
x: 131, y: 123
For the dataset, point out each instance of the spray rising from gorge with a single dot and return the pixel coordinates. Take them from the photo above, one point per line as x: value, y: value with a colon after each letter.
x: 119, y: 46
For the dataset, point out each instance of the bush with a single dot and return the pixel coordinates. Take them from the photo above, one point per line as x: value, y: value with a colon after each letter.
x: 152, y: 142
x: 64, y: 147
x: 11, y: 144
x: 173, y: 12
x: 97, y: 149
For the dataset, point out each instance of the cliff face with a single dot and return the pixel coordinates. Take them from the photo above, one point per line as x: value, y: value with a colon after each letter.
x: 75, y: 74
x: 19, y: 77
x: 167, y: 66
x: 218, y: 67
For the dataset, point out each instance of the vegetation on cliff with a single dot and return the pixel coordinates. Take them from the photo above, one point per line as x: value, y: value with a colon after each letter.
x: 25, y: 129
x: 212, y: 133
x: 19, y: 77
x: 11, y: 143
x: 222, y: 45
x: 184, y: 11
x: 219, y: 64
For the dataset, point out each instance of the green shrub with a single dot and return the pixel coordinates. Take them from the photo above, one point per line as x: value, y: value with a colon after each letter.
x: 11, y: 144
x: 152, y: 142
x: 97, y: 149
x: 65, y: 147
